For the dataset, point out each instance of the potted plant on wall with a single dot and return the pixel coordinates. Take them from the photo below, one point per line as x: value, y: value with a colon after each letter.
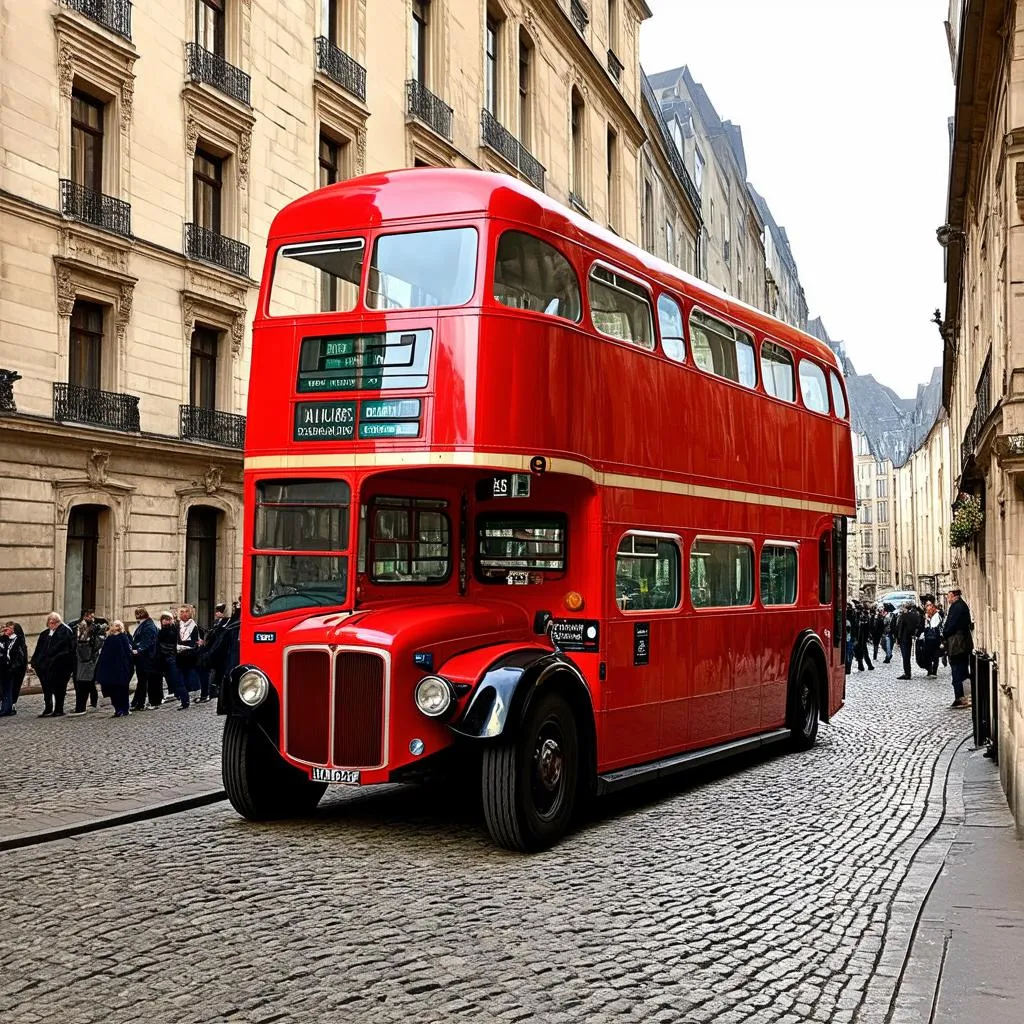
x: 967, y: 520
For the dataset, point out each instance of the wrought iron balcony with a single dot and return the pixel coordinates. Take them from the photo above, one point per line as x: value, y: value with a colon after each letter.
x: 81, y: 203
x: 668, y: 144
x: 983, y: 392
x: 203, y: 244
x: 615, y: 66
x: 502, y: 141
x: 580, y: 15
x: 115, y: 15
x: 576, y: 202
x: 223, y: 428
x: 970, y: 441
x: 426, y: 107
x: 213, y: 69
x: 340, y: 68
x: 74, y: 404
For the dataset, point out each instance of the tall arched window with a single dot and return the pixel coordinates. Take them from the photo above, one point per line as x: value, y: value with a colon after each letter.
x: 525, y: 87
x: 577, y: 178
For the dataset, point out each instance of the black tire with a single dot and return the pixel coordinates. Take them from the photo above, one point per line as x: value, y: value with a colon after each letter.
x: 530, y: 781
x: 260, y: 785
x: 805, y: 706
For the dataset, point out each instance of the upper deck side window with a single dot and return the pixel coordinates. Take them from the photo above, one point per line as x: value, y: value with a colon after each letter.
x: 813, y: 387
x: 722, y: 349
x: 838, y: 398
x: 422, y: 269
x: 777, y: 371
x: 533, y: 275
x: 670, y: 323
x: 621, y: 308
x: 316, y: 277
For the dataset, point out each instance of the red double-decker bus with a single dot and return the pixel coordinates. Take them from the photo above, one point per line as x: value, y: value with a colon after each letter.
x: 520, y: 496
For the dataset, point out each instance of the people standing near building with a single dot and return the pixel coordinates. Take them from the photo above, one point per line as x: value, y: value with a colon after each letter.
x: 146, y: 654
x: 877, y: 628
x: 54, y: 663
x: 908, y: 625
x: 167, y: 644
x: 958, y: 633
x: 863, y: 640
x: 851, y: 633
x: 932, y: 637
x: 189, y: 647
x: 89, y: 634
x: 211, y: 661
x: 889, y: 624
x: 21, y: 664
x: 115, y: 668
x: 11, y: 660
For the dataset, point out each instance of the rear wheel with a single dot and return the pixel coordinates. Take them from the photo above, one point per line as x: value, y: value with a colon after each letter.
x: 260, y: 784
x: 805, y: 706
x: 529, y: 783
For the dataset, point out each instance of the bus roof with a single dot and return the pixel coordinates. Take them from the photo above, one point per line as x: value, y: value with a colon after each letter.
x: 443, y: 192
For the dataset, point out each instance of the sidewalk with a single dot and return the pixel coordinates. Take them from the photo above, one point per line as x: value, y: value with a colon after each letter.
x: 967, y: 960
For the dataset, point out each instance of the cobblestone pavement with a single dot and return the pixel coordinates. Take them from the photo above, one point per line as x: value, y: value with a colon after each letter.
x: 61, y: 771
x: 783, y: 889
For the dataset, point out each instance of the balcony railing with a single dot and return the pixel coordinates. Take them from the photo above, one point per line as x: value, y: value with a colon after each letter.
x: 983, y: 392
x: 84, y: 204
x: 615, y: 66
x: 340, y: 68
x: 502, y: 141
x: 426, y: 107
x: 580, y: 15
x: 211, y: 68
x: 223, y: 428
x: 675, y: 158
x: 203, y: 244
x: 115, y: 15
x: 74, y: 404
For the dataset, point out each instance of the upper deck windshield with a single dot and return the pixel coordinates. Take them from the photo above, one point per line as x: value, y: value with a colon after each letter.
x: 408, y: 270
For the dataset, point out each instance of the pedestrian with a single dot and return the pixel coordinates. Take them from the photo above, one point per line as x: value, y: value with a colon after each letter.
x: 189, y: 647
x: 54, y: 662
x: 907, y: 627
x: 115, y: 668
x: 211, y: 661
x: 877, y: 628
x: 167, y: 644
x: 21, y: 664
x: 12, y: 667
x: 957, y: 630
x: 889, y: 615
x: 851, y: 633
x: 863, y: 640
x: 149, y: 689
x: 89, y: 633
x: 932, y: 638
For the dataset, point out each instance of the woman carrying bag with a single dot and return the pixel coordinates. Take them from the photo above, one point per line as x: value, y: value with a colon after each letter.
x: 959, y: 644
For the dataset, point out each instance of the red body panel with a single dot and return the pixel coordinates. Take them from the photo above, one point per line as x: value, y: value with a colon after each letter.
x: 632, y: 441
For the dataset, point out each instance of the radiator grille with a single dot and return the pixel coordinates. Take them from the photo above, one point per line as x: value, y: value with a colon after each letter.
x: 308, y: 705
x: 358, y: 710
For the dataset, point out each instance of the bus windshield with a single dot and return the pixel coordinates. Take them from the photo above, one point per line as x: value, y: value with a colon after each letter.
x: 300, y: 539
x: 422, y: 268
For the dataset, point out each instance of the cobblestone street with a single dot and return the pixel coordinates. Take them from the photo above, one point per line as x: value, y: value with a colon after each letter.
x: 784, y: 889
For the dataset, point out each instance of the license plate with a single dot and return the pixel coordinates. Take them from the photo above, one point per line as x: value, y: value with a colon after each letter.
x: 344, y: 776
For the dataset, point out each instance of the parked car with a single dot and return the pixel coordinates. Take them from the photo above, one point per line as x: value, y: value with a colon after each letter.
x: 898, y: 597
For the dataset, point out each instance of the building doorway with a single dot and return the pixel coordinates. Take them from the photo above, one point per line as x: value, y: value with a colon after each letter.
x: 81, y: 560
x: 201, y: 561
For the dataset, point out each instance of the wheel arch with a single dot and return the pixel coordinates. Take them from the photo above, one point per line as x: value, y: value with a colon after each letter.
x: 808, y: 646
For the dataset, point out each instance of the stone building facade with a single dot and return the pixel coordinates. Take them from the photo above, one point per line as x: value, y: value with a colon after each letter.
x: 875, y: 484
x: 983, y: 336
x: 925, y: 560
x: 144, y: 151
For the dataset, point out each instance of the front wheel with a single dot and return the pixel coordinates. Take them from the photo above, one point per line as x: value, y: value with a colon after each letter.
x: 529, y: 782
x: 260, y: 784
x: 805, y: 707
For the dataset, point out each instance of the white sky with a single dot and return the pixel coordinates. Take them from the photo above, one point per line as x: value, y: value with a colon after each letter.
x: 844, y: 109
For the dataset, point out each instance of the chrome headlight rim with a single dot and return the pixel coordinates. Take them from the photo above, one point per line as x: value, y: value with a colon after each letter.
x: 256, y: 684
x: 440, y: 685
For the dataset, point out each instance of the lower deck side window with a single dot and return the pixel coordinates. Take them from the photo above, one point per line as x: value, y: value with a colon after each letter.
x: 778, y: 574
x: 646, y: 573
x: 509, y: 547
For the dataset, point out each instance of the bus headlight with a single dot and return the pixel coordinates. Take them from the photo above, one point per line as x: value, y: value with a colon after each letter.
x: 434, y: 696
x: 253, y: 687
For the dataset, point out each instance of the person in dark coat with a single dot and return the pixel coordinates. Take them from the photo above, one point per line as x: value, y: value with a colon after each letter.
x: 908, y: 625
x: 115, y: 668
x: 211, y: 661
x: 89, y: 633
x: 957, y: 632
x: 231, y: 657
x: 21, y: 664
x: 190, y: 647
x: 167, y: 644
x: 862, y: 640
x: 877, y: 629
x: 146, y: 652
x: 54, y: 662
x: 12, y: 667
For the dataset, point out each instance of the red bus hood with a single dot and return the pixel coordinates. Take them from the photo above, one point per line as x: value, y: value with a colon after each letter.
x: 453, y: 624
